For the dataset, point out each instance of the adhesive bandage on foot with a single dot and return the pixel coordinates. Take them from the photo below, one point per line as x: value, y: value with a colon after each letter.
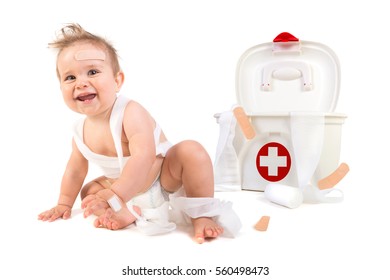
x: 335, y: 177
x: 244, y: 123
x: 115, y: 203
x: 262, y: 224
x: 90, y: 55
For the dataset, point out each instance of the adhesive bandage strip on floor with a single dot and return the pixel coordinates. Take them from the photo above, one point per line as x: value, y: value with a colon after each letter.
x: 262, y: 224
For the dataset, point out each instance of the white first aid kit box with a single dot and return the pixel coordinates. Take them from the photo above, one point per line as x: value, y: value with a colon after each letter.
x: 288, y: 90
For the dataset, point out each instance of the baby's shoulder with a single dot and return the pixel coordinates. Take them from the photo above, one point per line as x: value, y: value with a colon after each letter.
x: 135, y: 112
x: 135, y: 108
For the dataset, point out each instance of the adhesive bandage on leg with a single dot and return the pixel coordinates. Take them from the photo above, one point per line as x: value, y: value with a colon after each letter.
x: 115, y: 203
x: 335, y: 177
x: 262, y: 224
x: 244, y: 123
x: 90, y: 55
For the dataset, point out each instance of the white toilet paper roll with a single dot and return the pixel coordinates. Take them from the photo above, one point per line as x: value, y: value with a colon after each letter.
x: 284, y: 195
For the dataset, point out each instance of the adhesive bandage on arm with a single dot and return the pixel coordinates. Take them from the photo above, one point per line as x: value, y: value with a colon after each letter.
x: 90, y: 55
x: 244, y: 123
x: 335, y: 177
x: 115, y: 203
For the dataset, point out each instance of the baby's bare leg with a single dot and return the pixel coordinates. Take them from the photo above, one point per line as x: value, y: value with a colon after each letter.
x: 188, y: 164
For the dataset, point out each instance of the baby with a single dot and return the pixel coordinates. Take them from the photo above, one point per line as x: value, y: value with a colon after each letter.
x: 143, y: 172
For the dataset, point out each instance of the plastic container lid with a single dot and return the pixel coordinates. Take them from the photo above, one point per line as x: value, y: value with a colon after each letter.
x: 288, y: 75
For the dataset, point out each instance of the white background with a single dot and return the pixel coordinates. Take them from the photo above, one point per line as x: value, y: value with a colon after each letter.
x: 179, y: 58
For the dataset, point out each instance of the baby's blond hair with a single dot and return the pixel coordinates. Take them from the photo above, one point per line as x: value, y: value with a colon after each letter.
x: 73, y: 33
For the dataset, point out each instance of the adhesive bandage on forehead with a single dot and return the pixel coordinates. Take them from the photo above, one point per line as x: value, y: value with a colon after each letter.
x: 90, y: 55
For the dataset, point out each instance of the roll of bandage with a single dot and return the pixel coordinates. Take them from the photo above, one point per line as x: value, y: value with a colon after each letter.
x: 284, y: 195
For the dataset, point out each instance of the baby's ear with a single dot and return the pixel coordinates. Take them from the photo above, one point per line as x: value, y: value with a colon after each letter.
x: 119, y: 79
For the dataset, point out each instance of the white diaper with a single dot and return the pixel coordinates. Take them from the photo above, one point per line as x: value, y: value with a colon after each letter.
x: 154, y: 217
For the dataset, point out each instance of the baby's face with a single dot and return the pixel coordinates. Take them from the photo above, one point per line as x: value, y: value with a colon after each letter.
x: 87, y: 81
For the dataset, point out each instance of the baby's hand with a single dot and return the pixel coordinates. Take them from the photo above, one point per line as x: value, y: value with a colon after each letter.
x: 96, y: 203
x: 59, y: 211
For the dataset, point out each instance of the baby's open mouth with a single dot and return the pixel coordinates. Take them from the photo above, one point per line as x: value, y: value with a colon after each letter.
x: 86, y: 97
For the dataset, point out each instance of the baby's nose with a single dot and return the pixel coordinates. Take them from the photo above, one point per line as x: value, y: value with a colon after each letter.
x: 82, y: 83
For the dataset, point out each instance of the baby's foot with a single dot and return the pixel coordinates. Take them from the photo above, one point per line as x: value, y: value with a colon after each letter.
x: 205, y: 228
x: 117, y: 220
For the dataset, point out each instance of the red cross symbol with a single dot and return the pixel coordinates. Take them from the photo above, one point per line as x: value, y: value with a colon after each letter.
x: 273, y: 162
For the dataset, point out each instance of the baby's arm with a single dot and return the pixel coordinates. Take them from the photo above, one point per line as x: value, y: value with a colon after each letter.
x: 139, y: 129
x: 72, y: 180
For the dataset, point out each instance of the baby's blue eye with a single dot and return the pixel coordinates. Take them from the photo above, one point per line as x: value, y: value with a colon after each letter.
x: 92, y: 72
x: 69, y: 78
